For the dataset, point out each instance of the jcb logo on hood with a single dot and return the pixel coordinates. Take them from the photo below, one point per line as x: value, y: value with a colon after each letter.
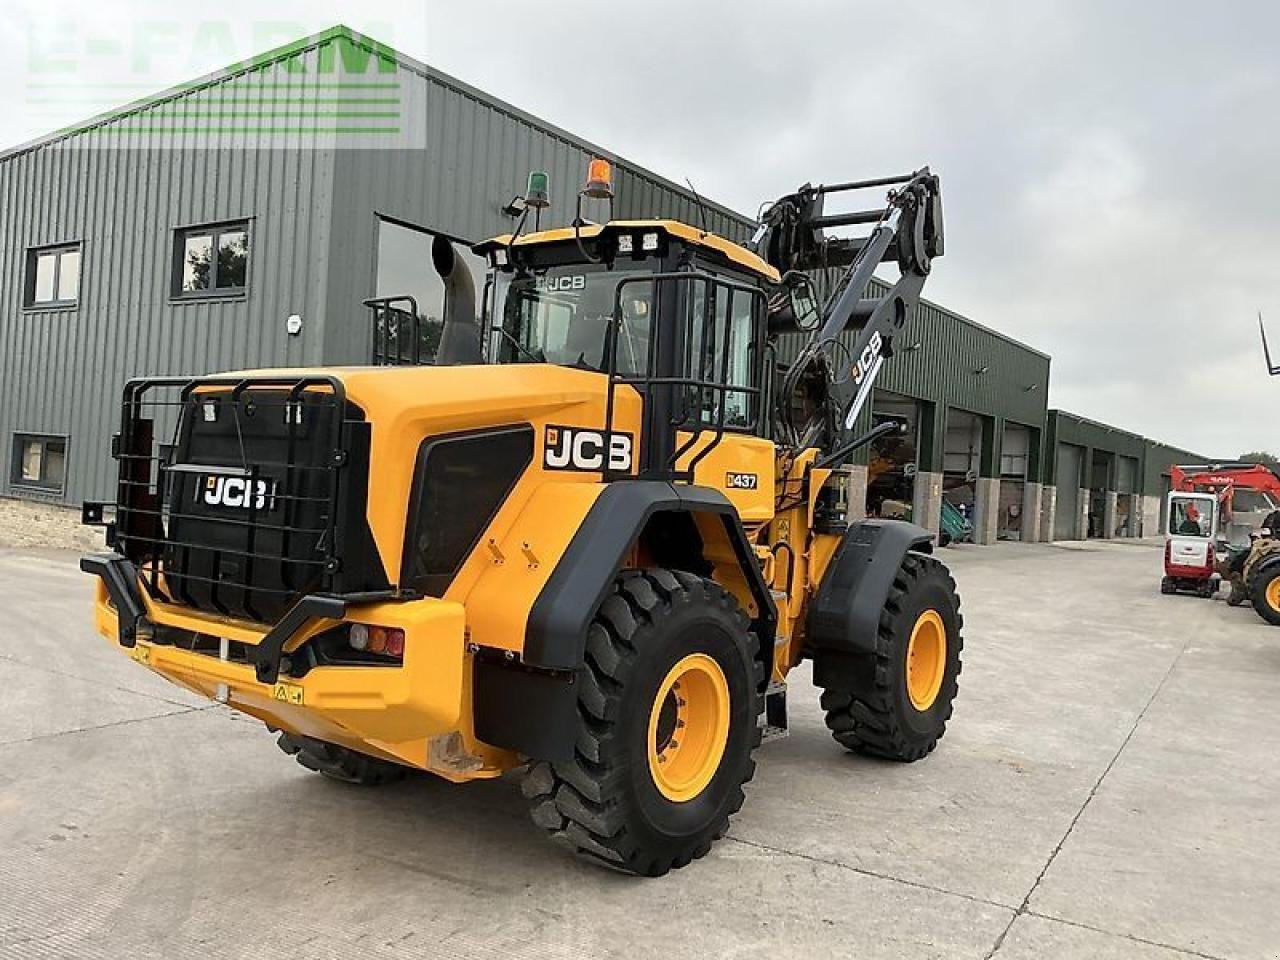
x: 573, y: 448
x: 237, y: 492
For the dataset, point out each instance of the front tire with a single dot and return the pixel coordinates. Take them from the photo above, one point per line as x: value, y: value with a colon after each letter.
x: 668, y: 701
x: 1264, y: 592
x: 900, y: 711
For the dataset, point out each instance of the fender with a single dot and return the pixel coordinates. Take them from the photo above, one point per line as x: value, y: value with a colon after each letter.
x: 530, y: 706
x: 558, y: 620
x: 845, y: 615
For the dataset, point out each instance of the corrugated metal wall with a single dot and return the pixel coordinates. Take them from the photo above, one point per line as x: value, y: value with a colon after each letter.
x: 1070, y: 428
x: 120, y: 189
x: 1159, y: 457
x: 476, y: 155
x: 1013, y: 383
x: 121, y: 185
x: 1150, y: 459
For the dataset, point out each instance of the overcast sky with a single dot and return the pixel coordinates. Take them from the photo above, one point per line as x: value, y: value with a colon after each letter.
x: 1109, y: 169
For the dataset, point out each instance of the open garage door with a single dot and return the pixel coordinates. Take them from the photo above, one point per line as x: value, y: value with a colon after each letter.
x: 1099, y: 473
x: 1014, y: 451
x: 891, y: 470
x: 1067, y: 513
x: 960, y: 457
x: 1127, y: 502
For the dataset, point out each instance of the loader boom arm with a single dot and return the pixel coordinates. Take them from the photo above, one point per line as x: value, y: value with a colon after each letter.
x: 908, y: 231
x: 1273, y: 368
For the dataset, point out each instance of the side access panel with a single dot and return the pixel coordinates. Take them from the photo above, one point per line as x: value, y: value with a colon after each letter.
x: 528, y: 705
x: 557, y: 630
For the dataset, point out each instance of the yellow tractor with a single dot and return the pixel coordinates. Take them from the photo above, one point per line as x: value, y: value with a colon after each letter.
x: 586, y: 545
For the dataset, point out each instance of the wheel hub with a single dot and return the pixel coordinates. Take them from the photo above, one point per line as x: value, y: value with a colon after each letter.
x: 926, y: 659
x: 1273, y: 594
x: 688, y: 727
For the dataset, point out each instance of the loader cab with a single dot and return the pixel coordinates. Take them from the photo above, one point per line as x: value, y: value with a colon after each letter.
x: 676, y: 313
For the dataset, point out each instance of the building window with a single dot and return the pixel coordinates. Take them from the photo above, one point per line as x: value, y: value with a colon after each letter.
x: 407, y: 268
x: 211, y: 261
x: 53, y: 276
x: 39, y: 462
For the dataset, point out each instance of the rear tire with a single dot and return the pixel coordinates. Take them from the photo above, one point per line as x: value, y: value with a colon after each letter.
x: 901, y: 711
x: 659, y: 764
x: 1264, y: 591
x: 339, y: 763
x: 1167, y: 586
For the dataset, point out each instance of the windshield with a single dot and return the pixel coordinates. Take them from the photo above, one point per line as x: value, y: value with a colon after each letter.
x: 562, y: 317
x: 1190, y: 518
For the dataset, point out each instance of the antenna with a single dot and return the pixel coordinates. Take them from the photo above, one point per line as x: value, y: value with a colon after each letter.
x: 1272, y: 368
x: 702, y: 210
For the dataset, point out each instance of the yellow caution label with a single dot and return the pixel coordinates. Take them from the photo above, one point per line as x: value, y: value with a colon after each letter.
x: 287, y: 693
x: 141, y: 653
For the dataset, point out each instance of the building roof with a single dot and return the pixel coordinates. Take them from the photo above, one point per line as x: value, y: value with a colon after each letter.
x: 290, y: 50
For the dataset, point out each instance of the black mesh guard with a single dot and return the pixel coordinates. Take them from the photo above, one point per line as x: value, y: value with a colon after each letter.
x: 258, y: 498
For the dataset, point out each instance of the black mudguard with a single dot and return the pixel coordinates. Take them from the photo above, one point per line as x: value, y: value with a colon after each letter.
x: 845, y: 615
x: 556, y: 635
x: 530, y: 706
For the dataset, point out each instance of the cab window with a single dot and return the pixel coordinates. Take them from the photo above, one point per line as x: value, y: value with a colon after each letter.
x: 1190, y: 517
x: 562, y: 317
x: 706, y: 360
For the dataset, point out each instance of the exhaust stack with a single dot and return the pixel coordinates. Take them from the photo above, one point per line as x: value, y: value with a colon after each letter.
x: 460, y: 334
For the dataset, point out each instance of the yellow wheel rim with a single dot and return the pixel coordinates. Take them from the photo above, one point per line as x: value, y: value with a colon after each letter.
x: 926, y: 659
x: 1273, y: 594
x: 688, y: 727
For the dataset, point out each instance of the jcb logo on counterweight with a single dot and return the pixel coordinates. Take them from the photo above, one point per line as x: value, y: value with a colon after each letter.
x: 574, y: 448
x: 237, y: 492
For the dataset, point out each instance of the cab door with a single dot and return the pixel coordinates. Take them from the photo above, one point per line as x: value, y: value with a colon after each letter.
x: 1193, y: 526
x: 728, y: 347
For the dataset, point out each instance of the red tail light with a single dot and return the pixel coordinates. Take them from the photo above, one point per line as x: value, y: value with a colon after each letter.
x: 388, y: 641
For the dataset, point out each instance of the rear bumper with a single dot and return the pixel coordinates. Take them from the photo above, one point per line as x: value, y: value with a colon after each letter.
x: 390, y: 711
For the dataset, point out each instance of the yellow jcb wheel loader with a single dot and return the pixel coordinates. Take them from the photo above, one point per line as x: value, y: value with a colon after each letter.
x: 586, y: 545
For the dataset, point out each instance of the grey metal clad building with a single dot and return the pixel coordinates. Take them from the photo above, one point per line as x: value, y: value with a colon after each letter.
x: 98, y: 223
x: 1108, y: 482
x: 205, y: 229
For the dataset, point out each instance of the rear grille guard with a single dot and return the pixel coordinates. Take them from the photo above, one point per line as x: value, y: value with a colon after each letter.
x: 245, y: 497
x: 150, y: 518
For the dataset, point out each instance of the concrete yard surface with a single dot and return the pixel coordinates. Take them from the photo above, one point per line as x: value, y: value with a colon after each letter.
x: 1108, y: 788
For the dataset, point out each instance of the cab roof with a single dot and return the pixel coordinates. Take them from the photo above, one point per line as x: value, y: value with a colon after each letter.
x: 673, y: 228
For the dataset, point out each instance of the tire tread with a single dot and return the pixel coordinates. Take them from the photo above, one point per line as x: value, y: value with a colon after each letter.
x: 574, y: 801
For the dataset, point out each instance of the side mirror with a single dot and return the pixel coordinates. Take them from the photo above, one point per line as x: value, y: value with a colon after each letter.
x: 801, y: 299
